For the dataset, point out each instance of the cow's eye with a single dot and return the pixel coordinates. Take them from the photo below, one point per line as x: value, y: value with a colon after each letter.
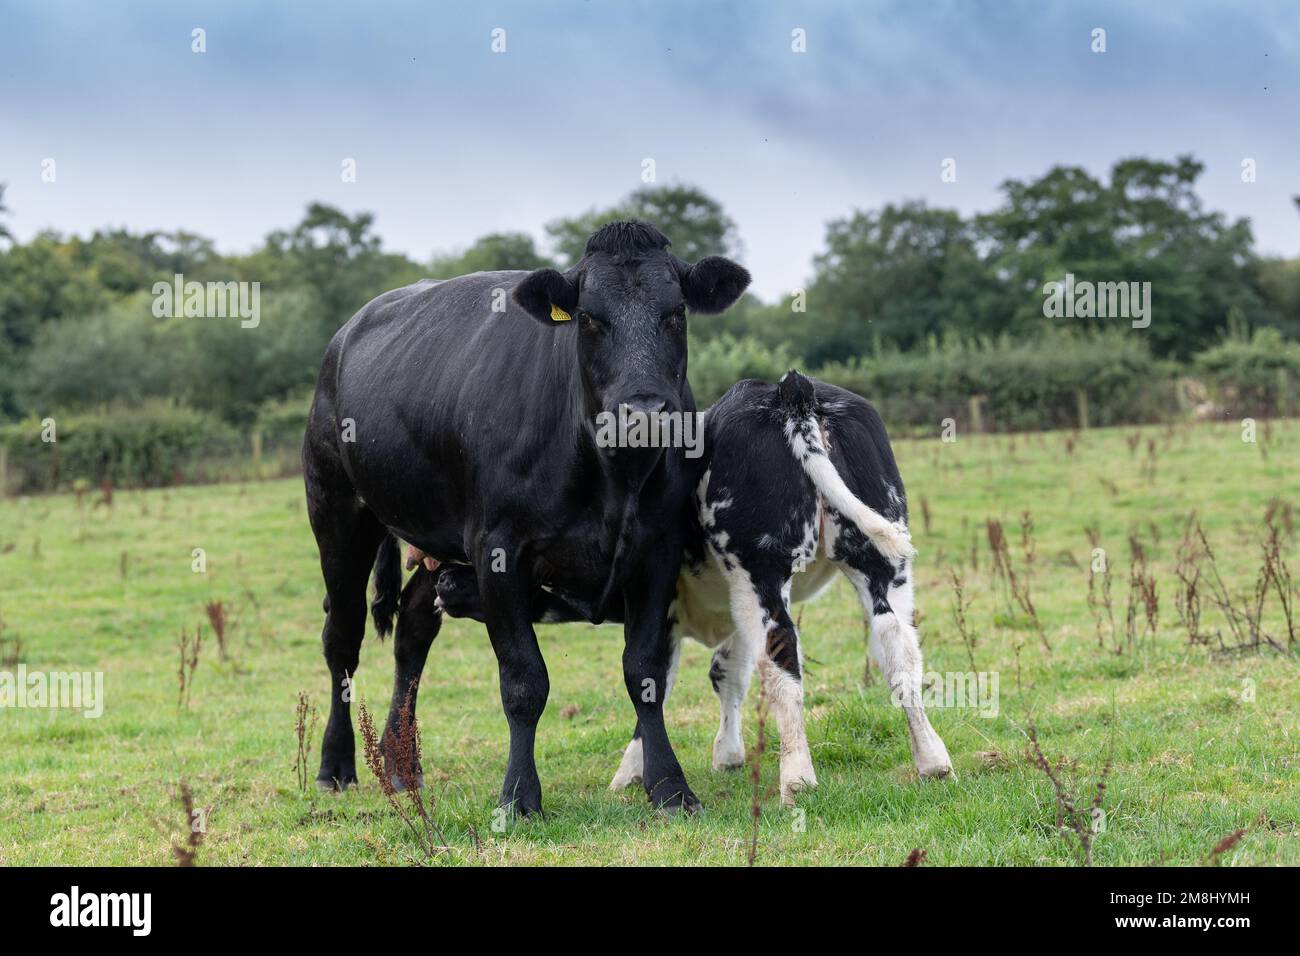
x: 675, y: 319
x: 589, y: 321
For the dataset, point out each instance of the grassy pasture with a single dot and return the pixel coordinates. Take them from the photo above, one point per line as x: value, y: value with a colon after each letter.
x: 1203, y: 743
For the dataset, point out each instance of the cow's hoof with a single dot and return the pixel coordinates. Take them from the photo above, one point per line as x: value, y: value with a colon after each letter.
x: 395, y: 777
x: 336, y: 772
x: 792, y: 787
x: 726, y: 763
x: 935, y: 771
x: 399, y: 786
x: 522, y: 797
x: 931, y: 759
x: 728, y: 755
x: 674, y: 796
x: 523, y: 808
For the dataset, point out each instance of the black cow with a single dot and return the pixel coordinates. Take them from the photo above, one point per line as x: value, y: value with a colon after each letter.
x: 460, y: 416
x: 799, y: 477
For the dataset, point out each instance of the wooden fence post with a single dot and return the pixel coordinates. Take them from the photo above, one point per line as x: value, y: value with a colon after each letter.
x: 976, y: 418
x: 1081, y: 403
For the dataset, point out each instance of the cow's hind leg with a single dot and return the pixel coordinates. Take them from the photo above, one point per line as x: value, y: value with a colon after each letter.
x: 760, y: 611
x: 348, y: 535
x: 418, y: 621
x: 886, y: 594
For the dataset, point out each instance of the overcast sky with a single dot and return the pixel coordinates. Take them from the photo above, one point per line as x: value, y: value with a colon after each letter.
x: 452, y: 140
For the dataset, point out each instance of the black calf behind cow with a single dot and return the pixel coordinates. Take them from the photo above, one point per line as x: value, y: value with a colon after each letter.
x: 460, y: 416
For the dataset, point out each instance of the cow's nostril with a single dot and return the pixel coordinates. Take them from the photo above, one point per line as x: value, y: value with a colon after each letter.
x: 646, y: 406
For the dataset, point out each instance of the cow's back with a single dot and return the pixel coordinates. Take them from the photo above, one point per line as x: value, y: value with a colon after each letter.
x: 440, y: 341
x: 447, y: 400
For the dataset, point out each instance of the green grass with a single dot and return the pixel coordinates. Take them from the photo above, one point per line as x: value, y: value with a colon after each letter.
x: 1194, y: 758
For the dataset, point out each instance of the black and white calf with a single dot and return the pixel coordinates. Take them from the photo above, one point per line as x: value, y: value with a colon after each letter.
x: 799, y: 482
x: 800, y: 478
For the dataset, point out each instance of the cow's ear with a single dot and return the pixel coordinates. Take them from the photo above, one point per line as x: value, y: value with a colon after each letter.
x: 713, y: 284
x: 547, y: 295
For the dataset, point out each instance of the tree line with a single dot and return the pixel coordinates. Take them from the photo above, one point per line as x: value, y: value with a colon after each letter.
x: 77, y: 331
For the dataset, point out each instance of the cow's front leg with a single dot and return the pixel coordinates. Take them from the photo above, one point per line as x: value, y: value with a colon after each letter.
x: 505, y: 586
x: 632, y: 767
x: 647, y: 663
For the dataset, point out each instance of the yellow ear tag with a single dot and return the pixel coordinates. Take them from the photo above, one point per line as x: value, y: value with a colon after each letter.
x: 559, y: 315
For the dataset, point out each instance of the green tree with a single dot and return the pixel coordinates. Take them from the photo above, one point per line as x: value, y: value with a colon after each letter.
x: 1279, y: 285
x: 122, y: 263
x: 693, y: 221
x: 494, y: 252
x: 41, y: 280
x: 337, y: 257
x: 1146, y: 225
x: 111, y: 356
x: 897, y: 275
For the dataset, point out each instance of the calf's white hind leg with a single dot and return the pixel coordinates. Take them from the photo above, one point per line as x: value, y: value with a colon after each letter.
x: 763, y: 624
x: 730, y: 672
x: 895, y: 647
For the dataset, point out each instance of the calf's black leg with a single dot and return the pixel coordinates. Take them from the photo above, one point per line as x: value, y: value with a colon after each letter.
x: 418, y: 622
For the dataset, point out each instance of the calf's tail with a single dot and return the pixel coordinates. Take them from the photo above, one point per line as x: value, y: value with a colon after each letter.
x: 803, y: 430
x: 388, y: 585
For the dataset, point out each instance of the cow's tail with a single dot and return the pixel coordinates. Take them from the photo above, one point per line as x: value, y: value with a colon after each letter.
x: 388, y: 585
x: 803, y: 431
